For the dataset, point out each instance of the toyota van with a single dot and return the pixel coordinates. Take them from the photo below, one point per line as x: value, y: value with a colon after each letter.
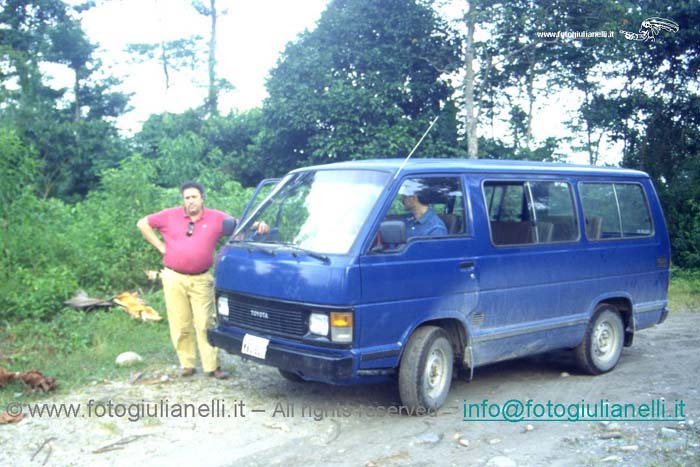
x: 404, y: 271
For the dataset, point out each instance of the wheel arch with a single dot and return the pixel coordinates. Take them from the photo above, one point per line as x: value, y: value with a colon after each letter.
x: 623, y: 305
x: 454, y: 327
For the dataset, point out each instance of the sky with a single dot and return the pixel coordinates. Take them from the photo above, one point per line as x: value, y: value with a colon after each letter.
x: 251, y: 36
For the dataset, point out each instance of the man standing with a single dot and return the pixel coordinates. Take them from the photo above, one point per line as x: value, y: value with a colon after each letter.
x: 190, y: 233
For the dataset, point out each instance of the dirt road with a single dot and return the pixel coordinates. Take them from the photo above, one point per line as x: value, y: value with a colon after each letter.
x: 260, y: 419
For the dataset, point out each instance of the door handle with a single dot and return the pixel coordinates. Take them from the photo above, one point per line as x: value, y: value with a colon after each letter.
x: 466, y: 266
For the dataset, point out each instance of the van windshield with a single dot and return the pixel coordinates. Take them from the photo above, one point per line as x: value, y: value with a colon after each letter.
x: 320, y: 211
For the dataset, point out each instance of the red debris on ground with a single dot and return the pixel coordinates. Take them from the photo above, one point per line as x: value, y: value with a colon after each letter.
x: 6, y: 376
x: 34, y: 380
x: 6, y: 418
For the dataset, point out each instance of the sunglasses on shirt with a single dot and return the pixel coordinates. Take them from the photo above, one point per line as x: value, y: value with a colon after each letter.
x: 190, y: 229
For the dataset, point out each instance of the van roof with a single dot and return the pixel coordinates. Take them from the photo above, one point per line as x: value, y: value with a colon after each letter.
x: 481, y: 165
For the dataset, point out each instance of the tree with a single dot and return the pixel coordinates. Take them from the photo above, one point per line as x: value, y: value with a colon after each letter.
x: 171, y: 55
x: 72, y: 138
x: 471, y: 110
x: 515, y: 64
x: 19, y: 170
x: 216, y: 85
x: 25, y: 39
x: 365, y: 83
x: 658, y: 117
x: 217, y: 148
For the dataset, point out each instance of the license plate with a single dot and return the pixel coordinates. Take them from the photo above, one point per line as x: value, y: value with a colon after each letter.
x: 254, y: 346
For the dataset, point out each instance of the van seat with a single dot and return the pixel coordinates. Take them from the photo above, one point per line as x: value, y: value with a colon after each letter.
x: 511, y: 233
x: 545, y: 231
x: 451, y: 222
x: 594, y: 227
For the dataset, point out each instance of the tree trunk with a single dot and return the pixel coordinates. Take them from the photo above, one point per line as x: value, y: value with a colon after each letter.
x: 530, y: 108
x: 164, y: 62
x: 76, y: 91
x: 213, y: 98
x: 592, y: 151
x: 470, y: 107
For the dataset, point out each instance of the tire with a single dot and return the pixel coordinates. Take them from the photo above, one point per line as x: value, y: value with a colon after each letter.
x: 425, y: 372
x: 601, y: 347
x: 289, y: 376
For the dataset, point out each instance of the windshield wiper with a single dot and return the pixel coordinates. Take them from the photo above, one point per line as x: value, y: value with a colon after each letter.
x: 251, y: 247
x: 312, y: 254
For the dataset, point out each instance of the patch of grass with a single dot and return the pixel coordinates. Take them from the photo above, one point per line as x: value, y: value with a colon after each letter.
x: 110, y: 427
x: 684, y: 291
x: 78, y: 347
x: 151, y: 421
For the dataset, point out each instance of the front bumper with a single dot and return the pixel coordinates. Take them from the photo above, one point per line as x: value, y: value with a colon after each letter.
x: 309, y: 364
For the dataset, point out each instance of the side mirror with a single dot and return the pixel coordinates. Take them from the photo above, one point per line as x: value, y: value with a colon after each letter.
x: 228, y: 226
x: 393, y: 233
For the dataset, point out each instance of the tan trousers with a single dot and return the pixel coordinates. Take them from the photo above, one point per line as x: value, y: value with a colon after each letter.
x: 189, y: 301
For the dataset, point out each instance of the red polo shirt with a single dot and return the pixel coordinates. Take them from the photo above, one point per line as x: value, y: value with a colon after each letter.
x: 188, y: 254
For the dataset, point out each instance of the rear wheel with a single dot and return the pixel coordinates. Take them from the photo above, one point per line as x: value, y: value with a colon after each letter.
x: 425, y: 373
x: 601, y: 347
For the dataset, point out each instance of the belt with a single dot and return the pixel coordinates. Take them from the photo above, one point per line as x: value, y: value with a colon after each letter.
x: 190, y: 273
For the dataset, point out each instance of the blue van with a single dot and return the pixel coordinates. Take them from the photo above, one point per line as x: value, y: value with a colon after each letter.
x: 392, y: 270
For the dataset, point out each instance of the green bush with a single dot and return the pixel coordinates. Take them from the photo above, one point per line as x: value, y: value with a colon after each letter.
x: 230, y: 197
x: 53, y: 248
x: 113, y: 254
x: 38, y: 295
x: 38, y: 265
x: 684, y: 290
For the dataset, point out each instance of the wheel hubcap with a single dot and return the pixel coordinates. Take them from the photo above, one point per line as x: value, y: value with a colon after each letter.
x: 435, y: 372
x: 604, y: 341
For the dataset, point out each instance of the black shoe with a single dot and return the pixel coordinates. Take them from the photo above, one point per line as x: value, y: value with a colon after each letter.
x: 187, y: 372
x: 218, y: 374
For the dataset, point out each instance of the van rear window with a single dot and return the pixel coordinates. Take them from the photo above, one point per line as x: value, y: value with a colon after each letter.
x: 615, y: 210
x: 530, y: 212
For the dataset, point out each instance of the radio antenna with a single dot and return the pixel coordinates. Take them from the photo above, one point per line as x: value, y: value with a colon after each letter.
x: 416, y: 146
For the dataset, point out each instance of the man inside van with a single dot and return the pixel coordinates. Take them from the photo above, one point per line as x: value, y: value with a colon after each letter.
x: 190, y: 233
x: 423, y: 221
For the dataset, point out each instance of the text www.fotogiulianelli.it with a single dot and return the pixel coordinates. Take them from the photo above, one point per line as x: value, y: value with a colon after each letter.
x: 132, y: 411
x: 575, y: 34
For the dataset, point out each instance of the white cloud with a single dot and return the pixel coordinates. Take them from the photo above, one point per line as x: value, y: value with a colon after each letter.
x: 250, y: 38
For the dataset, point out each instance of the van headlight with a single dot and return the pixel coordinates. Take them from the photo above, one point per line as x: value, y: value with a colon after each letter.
x: 222, y: 305
x: 336, y: 326
x: 318, y: 324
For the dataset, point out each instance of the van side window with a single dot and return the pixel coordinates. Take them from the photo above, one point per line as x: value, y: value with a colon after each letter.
x: 634, y: 210
x: 615, y: 210
x: 530, y: 212
x: 555, y: 215
x: 427, y: 207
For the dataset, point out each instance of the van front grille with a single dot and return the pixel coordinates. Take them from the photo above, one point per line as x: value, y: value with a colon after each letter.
x: 269, y: 316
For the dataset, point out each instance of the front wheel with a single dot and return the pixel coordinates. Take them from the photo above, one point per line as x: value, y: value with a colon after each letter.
x: 601, y: 347
x: 425, y: 373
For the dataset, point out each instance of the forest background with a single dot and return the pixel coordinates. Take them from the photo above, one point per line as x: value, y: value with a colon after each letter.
x: 363, y: 83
